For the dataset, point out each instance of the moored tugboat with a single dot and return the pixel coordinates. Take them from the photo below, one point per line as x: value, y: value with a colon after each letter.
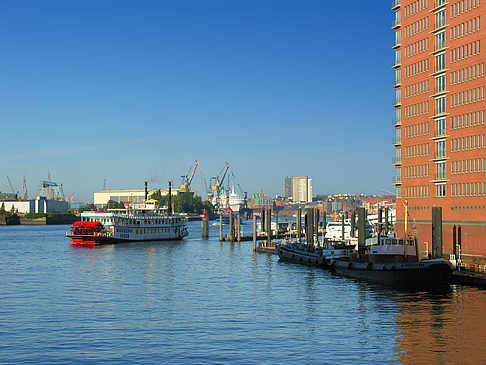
x: 395, y: 261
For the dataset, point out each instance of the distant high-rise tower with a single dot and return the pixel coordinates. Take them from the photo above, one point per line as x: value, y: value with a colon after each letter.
x: 288, y: 189
x: 440, y: 120
x: 299, y: 188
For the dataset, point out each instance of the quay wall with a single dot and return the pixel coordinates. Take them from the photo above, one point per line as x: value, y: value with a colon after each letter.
x: 473, y: 238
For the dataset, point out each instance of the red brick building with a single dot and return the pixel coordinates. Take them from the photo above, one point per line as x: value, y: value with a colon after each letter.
x: 440, y: 125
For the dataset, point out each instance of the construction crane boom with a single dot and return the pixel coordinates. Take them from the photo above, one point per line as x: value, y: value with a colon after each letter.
x: 10, y: 183
x: 226, y: 168
x: 186, y: 182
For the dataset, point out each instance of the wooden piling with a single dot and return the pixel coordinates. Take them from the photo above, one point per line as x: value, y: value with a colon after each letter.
x: 205, y: 228
x: 276, y: 224
x: 299, y: 223
x: 436, y: 232
x: 231, y: 226
x: 220, y: 227
x: 254, y: 232
x: 268, y: 220
x: 361, y: 229
x: 263, y: 225
x: 353, y: 224
x: 387, y: 224
x: 238, y: 227
x: 380, y: 219
x: 324, y: 226
x: 342, y: 226
x: 309, y: 226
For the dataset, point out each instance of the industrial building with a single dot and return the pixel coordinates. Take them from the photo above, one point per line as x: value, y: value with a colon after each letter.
x: 38, y: 205
x: 440, y: 121
x: 126, y: 196
x: 298, y: 188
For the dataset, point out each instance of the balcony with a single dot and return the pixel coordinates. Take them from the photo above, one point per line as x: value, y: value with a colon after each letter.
x: 440, y: 155
x: 396, y: 23
x: 439, y: 4
x: 396, y: 141
x: 396, y: 160
x: 397, y: 180
x: 440, y: 133
x: 396, y: 4
x: 439, y: 177
x: 440, y: 45
x: 396, y: 122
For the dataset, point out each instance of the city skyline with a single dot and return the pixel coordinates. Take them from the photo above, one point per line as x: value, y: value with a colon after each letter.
x: 129, y: 92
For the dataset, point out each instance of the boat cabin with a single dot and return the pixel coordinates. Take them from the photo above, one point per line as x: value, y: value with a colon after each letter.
x: 390, y: 250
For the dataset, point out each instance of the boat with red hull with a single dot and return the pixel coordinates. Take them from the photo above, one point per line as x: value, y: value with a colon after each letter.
x: 143, y: 223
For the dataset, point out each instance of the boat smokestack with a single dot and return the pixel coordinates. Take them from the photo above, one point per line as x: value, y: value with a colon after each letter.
x: 170, y: 198
x: 146, y: 191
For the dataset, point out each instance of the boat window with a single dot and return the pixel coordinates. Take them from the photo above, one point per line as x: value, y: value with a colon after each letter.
x: 400, y: 241
x: 387, y: 242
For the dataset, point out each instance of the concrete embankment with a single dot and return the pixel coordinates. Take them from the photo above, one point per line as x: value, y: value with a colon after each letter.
x: 16, y: 220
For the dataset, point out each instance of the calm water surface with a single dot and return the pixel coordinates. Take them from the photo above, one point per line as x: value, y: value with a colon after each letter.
x: 202, y: 301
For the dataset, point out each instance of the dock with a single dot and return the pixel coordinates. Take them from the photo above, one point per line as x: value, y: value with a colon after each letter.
x: 469, y: 278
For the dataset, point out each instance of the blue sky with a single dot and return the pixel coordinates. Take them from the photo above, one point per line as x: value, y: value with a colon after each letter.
x: 130, y: 91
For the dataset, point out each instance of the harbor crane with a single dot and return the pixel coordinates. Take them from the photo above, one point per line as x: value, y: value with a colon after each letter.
x: 187, y: 178
x: 217, y: 181
x: 10, y: 183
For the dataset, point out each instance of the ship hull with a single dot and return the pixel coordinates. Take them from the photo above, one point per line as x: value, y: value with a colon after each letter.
x: 423, y: 273
x: 86, y: 240
x: 300, y: 257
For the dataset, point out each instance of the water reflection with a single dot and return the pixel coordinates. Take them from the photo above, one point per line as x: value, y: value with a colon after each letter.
x: 442, y: 328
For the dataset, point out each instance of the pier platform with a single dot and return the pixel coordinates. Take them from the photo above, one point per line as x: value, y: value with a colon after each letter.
x: 469, y: 278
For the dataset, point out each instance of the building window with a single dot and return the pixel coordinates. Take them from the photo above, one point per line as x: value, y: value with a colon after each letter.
x: 440, y: 41
x: 440, y: 84
x: 440, y: 171
x: 440, y: 127
x: 440, y: 105
x: 440, y: 62
x: 441, y: 190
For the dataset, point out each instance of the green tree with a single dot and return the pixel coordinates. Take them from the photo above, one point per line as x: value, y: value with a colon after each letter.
x: 112, y: 204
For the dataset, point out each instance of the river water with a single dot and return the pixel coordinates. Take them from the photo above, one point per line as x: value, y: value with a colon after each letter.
x: 201, y: 301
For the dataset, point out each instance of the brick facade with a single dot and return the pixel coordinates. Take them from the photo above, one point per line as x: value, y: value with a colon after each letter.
x: 440, y: 119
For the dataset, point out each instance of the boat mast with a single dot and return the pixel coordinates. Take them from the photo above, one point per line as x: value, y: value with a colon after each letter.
x: 406, y: 221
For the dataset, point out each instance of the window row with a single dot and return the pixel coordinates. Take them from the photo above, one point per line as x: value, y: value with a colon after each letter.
x: 416, y: 130
x: 417, y: 150
x: 467, y: 97
x: 421, y: 191
x: 467, y: 143
x: 416, y: 48
x: 467, y: 120
x: 468, y: 27
x: 417, y: 89
x: 468, y: 189
x: 416, y: 171
x: 468, y: 73
x: 416, y: 109
x: 417, y: 68
x: 471, y: 166
x: 416, y: 7
x: 463, y: 6
x: 466, y: 51
x: 420, y: 25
